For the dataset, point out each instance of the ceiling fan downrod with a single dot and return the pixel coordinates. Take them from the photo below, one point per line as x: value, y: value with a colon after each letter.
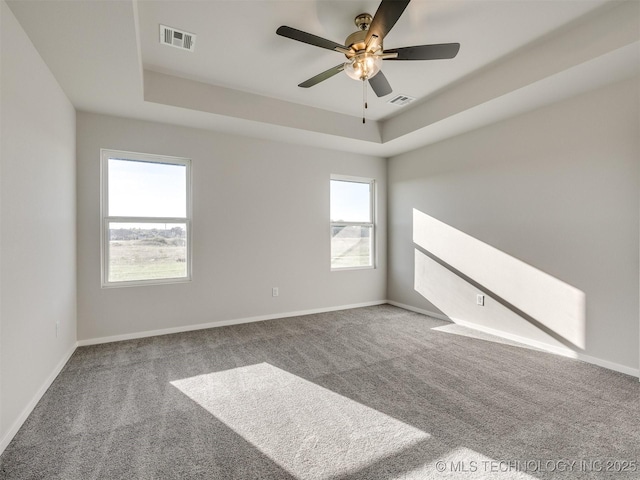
x: 363, y: 21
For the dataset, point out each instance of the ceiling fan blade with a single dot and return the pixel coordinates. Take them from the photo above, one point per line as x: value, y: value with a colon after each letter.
x: 321, y: 77
x: 309, y: 38
x: 425, y: 52
x: 380, y: 84
x: 385, y: 18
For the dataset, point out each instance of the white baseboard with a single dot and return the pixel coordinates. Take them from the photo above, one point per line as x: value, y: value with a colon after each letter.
x: 34, y: 401
x: 222, y: 323
x: 634, y: 372
x: 411, y: 308
x: 557, y: 350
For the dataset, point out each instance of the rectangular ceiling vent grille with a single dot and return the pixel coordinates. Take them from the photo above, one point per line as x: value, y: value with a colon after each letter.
x: 177, y: 38
x: 401, y: 100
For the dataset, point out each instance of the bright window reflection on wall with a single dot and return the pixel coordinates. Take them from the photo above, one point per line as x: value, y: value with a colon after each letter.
x: 146, y: 219
x: 352, y: 222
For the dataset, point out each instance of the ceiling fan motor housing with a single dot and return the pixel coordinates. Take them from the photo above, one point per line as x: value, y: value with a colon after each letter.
x: 356, y: 40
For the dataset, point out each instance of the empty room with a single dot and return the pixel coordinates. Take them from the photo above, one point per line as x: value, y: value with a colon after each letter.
x: 320, y: 240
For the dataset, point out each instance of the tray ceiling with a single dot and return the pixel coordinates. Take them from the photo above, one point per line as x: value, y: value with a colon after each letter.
x: 243, y: 78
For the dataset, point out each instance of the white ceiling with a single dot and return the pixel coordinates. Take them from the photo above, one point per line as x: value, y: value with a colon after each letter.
x: 242, y: 77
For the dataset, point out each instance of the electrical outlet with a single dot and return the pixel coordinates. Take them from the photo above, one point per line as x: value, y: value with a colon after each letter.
x: 274, y: 292
x: 480, y: 300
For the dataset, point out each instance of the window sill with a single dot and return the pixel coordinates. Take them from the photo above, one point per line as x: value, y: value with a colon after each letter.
x: 342, y: 269
x: 146, y: 283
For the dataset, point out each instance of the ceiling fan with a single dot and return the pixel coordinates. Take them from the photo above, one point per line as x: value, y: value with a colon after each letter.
x: 364, y: 50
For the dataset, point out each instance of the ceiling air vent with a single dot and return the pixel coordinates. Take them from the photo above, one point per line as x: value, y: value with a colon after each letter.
x: 401, y: 100
x: 177, y: 38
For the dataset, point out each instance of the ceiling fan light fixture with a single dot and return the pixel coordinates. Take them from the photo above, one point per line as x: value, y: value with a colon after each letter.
x: 363, y: 66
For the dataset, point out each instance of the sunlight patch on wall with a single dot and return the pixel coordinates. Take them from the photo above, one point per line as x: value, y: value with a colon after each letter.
x: 455, y: 297
x: 556, y: 305
x: 308, y: 430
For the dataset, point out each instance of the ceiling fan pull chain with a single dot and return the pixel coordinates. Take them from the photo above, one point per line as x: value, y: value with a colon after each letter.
x: 364, y: 99
x: 364, y: 88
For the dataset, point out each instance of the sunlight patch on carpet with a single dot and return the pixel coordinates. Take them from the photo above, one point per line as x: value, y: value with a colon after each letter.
x: 308, y: 430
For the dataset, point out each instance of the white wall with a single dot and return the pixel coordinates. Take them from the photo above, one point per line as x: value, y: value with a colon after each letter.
x: 556, y: 189
x: 38, y: 227
x: 260, y: 220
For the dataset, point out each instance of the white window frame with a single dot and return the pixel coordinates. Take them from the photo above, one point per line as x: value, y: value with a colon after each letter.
x: 105, y: 155
x: 372, y: 220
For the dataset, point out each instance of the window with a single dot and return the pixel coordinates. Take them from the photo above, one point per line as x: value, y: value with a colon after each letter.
x: 146, y: 219
x: 352, y: 222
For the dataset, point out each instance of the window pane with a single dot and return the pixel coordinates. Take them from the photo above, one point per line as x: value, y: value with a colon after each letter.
x: 146, y: 189
x: 350, y: 201
x: 351, y: 246
x: 147, y: 251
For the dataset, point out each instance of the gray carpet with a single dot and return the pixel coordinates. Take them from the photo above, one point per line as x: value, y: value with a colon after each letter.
x: 369, y: 393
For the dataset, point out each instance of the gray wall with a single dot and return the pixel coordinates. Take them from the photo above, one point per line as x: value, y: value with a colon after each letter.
x: 37, y: 205
x: 260, y: 220
x: 556, y: 191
